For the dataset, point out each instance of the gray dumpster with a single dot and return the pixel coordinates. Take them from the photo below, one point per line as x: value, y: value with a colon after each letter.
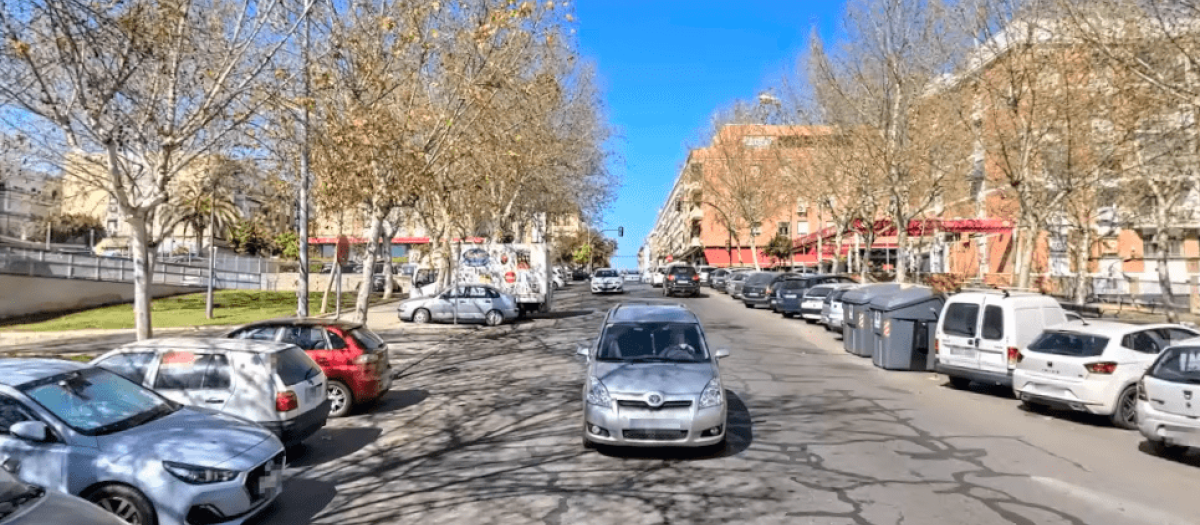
x: 904, y: 323
x: 856, y: 330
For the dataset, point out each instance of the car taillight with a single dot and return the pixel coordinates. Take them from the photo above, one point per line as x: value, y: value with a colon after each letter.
x: 1141, y: 389
x: 670, y: 277
x: 937, y: 346
x: 695, y: 277
x: 285, y: 401
x: 1104, y: 368
x: 1014, y: 356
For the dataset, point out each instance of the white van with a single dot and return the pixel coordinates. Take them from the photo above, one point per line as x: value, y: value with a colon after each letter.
x: 276, y: 385
x: 980, y: 334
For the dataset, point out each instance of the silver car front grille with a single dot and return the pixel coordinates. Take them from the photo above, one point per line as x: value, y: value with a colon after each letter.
x: 633, y: 403
x: 655, y: 434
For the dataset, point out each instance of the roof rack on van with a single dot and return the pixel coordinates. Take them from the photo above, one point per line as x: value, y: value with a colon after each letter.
x: 1005, y: 291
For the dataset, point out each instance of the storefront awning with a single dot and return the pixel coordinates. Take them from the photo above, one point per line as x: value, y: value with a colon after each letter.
x: 396, y: 240
x: 723, y: 258
x: 916, y: 228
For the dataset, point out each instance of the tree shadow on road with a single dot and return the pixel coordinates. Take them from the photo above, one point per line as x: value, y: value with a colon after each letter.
x: 395, y: 401
x: 332, y: 443
x: 301, y: 499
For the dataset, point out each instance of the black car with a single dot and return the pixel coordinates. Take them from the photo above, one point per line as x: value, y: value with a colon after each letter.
x: 760, y: 287
x: 681, y: 280
x: 789, y: 295
x: 580, y: 274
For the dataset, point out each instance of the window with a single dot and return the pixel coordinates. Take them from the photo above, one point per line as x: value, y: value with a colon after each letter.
x: 294, y: 366
x: 993, y: 323
x: 961, y: 319
x: 756, y: 141
x: 1071, y: 344
x: 802, y: 207
x: 1172, y: 247
x: 1143, y: 342
x: 1179, y: 365
x: 335, y: 341
x: 130, y: 366
x: 802, y: 228
x: 477, y: 292
x: 756, y: 229
x: 1175, y: 335
x: 784, y: 229
x: 11, y: 412
x: 265, y: 333
x: 191, y: 371
x: 305, y: 337
x: 328, y: 251
x: 367, y: 340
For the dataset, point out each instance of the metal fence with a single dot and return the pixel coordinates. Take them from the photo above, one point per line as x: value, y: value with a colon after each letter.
x: 41, y: 263
x: 229, y: 263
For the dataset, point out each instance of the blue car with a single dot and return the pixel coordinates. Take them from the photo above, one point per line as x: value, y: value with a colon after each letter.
x: 788, y: 295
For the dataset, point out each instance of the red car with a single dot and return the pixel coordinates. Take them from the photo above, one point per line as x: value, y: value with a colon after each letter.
x: 354, y: 359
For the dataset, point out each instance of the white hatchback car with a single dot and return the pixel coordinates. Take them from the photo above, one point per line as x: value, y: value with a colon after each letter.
x: 1092, y: 366
x: 276, y: 385
x: 1168, y: 409
x: 607, y: 280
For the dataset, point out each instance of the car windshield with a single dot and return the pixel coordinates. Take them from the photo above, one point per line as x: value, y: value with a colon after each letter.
x: 94, y: 401
x: 606, y: 273
x: 1069, y: 344
x: 1179, y: 365
x: 683, y: 270
x: 670, y: 342
x: 760, y: 279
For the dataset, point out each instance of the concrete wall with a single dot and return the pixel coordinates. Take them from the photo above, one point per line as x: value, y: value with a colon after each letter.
x: 35, y: 295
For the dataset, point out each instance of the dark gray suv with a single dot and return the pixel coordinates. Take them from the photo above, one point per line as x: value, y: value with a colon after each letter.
x: 681, y: 280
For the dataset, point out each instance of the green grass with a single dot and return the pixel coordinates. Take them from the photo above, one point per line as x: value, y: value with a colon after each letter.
x: 233, y: 307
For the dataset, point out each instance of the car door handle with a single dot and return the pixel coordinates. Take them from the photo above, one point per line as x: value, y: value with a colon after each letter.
x: 214, y: 401
x: 11, y: 465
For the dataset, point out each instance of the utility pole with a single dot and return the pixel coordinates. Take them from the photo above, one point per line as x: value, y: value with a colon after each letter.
x: 212, y: 256
x: 302, y: 283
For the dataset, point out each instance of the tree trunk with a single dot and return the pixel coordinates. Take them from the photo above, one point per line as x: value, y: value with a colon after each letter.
x: 1162, y: 238
x: 387, y: 266
x: 754, y: 254
x: 901, y: 251
x: 1082, y: 255
x: 143, y: 273
x: 1025, y: 255
x: 837, y: 254
x: 364, y: 290
x: 329, y: 286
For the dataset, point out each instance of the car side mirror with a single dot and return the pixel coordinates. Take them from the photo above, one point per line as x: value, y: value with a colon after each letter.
x: 582, y: 350
x: 722, y: 353
x: 34, y: 431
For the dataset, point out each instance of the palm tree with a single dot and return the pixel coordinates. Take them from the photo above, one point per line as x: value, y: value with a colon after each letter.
x: 204, y: 204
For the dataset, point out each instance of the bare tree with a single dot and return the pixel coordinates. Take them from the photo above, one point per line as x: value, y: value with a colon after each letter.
x: 140, y: 92
x: 878, y: 89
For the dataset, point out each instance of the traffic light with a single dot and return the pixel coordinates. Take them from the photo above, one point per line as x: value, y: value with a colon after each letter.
x: 620, y: 231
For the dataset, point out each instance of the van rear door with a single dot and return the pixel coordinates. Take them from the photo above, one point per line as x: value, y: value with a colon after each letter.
x: 956, y: 334
x: 993, y: 345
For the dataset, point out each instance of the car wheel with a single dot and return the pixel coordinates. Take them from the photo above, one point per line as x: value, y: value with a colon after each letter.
x: 421, y: 316
x: 959, y: 382
x: 126, y: 503
x: 1125, y: 414
x: 493, y: 318
x: 341, y: 400
x: 1161, y: 448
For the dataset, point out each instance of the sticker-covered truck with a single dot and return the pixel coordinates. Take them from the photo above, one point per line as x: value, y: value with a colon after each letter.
x: 519, y: 269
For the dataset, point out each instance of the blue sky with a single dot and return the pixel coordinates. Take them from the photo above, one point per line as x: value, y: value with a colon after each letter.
x: 666, y: 66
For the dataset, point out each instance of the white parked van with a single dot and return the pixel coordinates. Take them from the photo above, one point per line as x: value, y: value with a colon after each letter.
x: 276, y: 385
x: 980, y: 334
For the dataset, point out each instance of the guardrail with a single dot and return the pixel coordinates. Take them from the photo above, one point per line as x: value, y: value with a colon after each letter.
x: 41, y: 263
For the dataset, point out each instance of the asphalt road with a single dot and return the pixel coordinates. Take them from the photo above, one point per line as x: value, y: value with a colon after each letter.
x: 483, y: 427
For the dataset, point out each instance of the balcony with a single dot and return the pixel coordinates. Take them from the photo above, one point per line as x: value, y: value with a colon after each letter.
x: 697, y: 213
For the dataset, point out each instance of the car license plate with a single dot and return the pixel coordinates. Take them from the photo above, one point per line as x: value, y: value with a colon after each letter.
x: 270, y: 481
x: 962, y: 352
x: 663, y: 424
x: 789, y: 296
x: 751, y: 294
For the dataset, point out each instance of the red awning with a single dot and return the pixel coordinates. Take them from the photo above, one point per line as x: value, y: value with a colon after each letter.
x: 916, y: 227
x: 722, y: 258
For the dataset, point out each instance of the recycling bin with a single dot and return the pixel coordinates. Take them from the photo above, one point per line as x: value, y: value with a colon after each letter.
x: 903, y: 325
x: 857, y: 335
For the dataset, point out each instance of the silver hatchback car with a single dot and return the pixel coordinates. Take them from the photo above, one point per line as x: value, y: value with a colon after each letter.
x: 651, y: 381
x: 464, y: 303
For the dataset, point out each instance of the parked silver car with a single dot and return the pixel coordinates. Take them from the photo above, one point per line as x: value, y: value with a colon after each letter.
x: 89, y: 432
x: 651, y: 381
x: 463, y: 303
x: 25, y: 504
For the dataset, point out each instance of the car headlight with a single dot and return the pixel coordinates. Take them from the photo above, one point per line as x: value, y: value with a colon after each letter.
x: 198, y: 475
x: 598, y: 394
x: 712, y: 395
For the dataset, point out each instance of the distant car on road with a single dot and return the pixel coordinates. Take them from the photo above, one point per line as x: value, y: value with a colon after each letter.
x: 607, y: 280
x: 468, y: 303
x: 131, y: 451
x: 652, y: 381
x: 681, y: 279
